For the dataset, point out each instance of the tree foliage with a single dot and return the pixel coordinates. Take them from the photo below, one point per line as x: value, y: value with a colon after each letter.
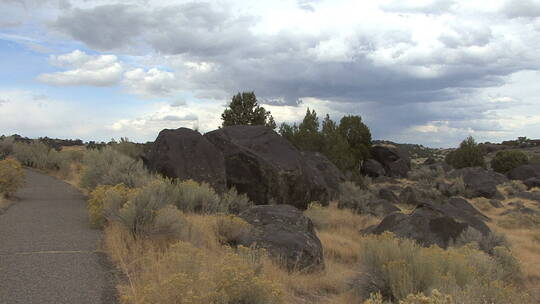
x: 346, y: 144
x: 469, y: 154
x: 244, y: 110
x: 505, y: 161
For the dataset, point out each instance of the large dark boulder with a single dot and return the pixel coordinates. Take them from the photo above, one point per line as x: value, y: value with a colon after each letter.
x: 324, y: 173
x: 480, y: 182
x: 269, y: 169
x: 372, y: 168
x: 461, y: 207
x: 431, y: 224
x: 532, y: 182
x: 498, y: 178
x: 524, y: 172
x: 186, y: 154
x: 395, y: 162
x: 287, y: 235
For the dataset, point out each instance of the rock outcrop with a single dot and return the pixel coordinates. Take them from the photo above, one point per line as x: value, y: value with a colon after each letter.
x: 395, y: 162
x: 480, y: 182
x: 324, y: 173
x: 431, y: 224
x: 269, y: 169
x: 372, y: 168
x: 186, y: 154
x: 524, y: 172
x: 286, y: 234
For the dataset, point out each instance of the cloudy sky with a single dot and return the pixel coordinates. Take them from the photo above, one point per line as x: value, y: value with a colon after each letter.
x: 419, y: 71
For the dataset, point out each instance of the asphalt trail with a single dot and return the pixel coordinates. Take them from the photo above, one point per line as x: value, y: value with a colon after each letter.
x: 48, y: 252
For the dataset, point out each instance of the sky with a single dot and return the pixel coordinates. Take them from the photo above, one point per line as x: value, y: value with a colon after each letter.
x: 429, y: 72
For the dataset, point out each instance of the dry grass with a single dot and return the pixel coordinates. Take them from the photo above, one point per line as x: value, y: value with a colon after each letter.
x: 525, y: 243
x: 338, y: 230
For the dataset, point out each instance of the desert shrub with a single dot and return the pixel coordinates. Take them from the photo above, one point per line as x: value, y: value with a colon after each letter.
x: 353, y: 197
x: 233, y: 202
x: 427, y: 175
x: 399, y: 267
x: 186, y: 274
x: 458, y: 187
x: 230, y: 228
x: 139, y: 212
x: 486, y: 243
x: 435, y: 298
x: 109, y: 167
x: 6, y: 146
x: 76, y: 156
x: 469, y: 154
x: 11, y: 176
x: 507, y: 160
x: 170, y: 224
x: 40, y: 156
x: 128, y: 148
x: 513, y: 187
x: 104, y: 201
x: 198, y: 197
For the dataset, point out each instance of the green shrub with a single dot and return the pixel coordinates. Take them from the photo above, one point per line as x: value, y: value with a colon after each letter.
x: 398, y: 268
x: 507, y: 160
x: 11, y: 176
x: 109, y: 167
x: 469, y: 154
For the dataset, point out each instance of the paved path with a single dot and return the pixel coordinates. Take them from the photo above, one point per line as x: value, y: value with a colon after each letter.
x: 47, y: 249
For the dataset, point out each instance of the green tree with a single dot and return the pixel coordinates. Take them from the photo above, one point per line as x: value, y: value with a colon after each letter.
x: 289, y: 132
x: 335, y: 146
x: 469, y: 154
x: 357, y: 135
x: 244, y: 110
x: 309, y: 138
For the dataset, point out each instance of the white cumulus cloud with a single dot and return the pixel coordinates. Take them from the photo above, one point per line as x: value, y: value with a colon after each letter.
x: 84, y: 69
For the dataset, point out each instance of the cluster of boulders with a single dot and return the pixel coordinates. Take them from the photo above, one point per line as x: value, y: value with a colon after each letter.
x: 281, y: 181
x: 386, y: 161
x: 528, y: 174
x: 253, y: 159
x: 270, y: 170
